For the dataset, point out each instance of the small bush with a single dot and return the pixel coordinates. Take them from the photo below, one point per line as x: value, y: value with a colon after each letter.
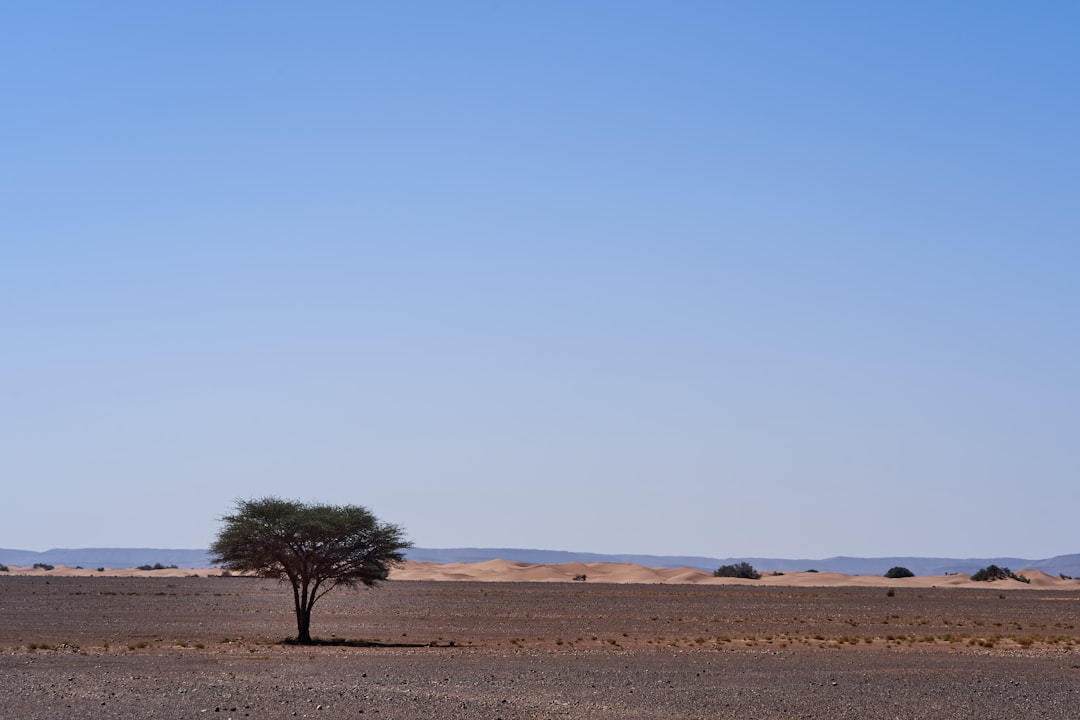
x: 739, y: 570
x: 991, y: 573
x: 899, y: 572
x: 4, y: 568
x: 43, y: 566
x: 156, y: 566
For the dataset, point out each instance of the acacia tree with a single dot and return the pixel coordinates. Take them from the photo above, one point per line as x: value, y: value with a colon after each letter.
x: 315, y: 547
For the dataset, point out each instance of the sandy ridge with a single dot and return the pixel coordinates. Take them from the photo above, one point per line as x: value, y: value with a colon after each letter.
x: 605, y: 572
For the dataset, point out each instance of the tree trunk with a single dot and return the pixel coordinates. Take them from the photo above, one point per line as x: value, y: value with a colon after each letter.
x: 302, y: 601
x: 303, y: 626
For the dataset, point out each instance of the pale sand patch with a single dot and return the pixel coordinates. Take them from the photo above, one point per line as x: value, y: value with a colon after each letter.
x: 608, y: 572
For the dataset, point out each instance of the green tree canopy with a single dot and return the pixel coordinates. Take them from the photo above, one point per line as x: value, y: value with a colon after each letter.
x: 315, y: 547
x: 739, y: 570
x: 991, y: 573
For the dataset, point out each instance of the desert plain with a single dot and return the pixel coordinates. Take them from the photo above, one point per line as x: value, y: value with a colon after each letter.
x: 514, y: 641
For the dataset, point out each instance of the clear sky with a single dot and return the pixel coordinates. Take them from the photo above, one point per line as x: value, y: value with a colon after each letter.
x: 719, y: 278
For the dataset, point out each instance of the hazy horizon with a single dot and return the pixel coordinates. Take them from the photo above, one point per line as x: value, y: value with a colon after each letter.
x: 1065, y: 567
x: 578, y: 551
x: 711, y: 279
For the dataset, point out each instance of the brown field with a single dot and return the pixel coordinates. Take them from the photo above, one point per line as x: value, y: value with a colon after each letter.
x: 200, y: 647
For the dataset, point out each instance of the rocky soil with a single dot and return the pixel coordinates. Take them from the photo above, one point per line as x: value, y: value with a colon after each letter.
x: 211, y: 647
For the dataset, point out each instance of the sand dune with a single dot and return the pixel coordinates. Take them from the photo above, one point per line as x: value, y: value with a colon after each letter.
x: 608, y: 572
x: 1039, y: 579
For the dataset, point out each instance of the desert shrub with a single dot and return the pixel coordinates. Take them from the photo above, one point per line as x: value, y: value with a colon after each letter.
x: 993, y: 572
x: 990, y: 573
x: 739, y: 570
x: 899, y: 572
x: 581, y: 578
x: 43, y: 566
x: 101, y: 569
x: 156, y: 566
x: 811, y: 570
x: 4, y: 568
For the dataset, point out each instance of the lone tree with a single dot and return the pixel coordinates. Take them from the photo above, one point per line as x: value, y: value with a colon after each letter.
x: 315, y: 547
x: 898, y: 572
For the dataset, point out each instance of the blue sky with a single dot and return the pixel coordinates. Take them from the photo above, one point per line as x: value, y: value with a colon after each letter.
x: 730, y: 279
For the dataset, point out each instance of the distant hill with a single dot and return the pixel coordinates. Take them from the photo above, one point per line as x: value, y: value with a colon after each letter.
x: 133, y: 557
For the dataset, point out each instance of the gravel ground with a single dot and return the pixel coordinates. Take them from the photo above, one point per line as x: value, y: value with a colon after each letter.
x: 208, y: 647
